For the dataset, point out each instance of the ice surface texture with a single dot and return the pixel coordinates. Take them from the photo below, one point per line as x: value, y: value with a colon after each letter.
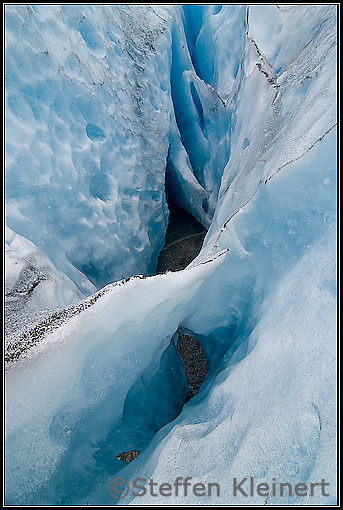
x: 87, y: 120
x: 33, y: 285
x: 239, y: 105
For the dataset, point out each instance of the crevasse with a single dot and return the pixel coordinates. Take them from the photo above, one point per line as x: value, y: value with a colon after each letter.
x: 233, y: 109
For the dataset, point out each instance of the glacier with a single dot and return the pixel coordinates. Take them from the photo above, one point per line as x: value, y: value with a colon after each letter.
x: 231, y: 112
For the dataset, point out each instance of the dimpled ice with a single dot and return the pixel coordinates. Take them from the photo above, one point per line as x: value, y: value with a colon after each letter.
x: 232, y: 111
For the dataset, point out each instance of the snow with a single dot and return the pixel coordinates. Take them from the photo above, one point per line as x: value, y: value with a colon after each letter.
x: 234, y: 107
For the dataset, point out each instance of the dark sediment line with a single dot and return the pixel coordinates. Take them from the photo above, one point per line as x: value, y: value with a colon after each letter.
x: 33, y: 335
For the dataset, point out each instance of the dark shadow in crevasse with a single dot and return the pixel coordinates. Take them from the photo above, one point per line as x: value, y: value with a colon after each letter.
x: 184, y: 235
x: 183, y: 241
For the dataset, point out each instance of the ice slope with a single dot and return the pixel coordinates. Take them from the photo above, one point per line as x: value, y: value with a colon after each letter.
x: 269, y: 409
x: 281, y: 112
x: 32, y: 284
x: 131, y: 339
x: 264, y: 310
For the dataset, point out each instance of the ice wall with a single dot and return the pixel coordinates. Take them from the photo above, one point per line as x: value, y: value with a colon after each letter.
x: 256, y: 96
x: 87, y: 123
x: 102, y: 101
x: 204, y: 117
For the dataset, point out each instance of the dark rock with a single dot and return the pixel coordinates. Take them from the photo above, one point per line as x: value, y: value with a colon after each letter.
x: 128, y: 456
x: 183, y: 241
x: 196, y: 365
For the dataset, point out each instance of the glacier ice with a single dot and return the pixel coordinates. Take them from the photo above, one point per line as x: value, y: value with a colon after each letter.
x: 233, y: 109
x: 87, y: 182
x: 33, y: 285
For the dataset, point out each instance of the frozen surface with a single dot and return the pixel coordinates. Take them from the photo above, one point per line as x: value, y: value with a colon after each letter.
x: 269, y: 410
x: 235, y: 108
x: 33, y: 285
x: 87, y: 122
x: 127, y: 346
